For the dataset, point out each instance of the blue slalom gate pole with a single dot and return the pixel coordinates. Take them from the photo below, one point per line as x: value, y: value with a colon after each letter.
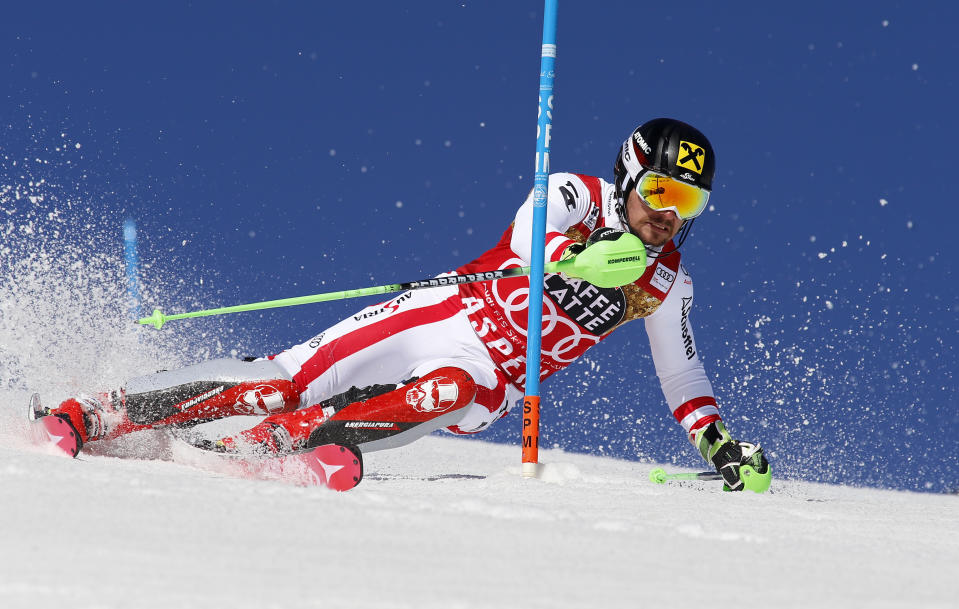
x: 132, y: 264
x: 538, y: 250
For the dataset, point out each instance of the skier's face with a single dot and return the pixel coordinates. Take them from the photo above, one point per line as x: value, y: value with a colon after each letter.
x: 655, y: 227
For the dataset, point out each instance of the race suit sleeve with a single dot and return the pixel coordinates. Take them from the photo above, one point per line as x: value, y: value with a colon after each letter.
x: 567, y: 203
x: 688, y: 391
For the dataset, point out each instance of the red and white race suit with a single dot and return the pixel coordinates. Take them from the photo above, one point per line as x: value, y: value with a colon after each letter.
x: 481, y: 327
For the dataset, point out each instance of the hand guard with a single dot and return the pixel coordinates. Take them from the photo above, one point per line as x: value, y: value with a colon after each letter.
x: 604, y: 233
x: 741, y: 464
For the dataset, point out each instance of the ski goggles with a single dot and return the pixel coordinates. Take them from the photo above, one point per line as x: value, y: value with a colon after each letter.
x: 663, y: 193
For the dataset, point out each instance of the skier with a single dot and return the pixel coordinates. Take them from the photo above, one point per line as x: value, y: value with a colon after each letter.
x: 453, y: 356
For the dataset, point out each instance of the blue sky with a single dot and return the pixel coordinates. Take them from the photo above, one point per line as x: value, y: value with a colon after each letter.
x: 276, y: 149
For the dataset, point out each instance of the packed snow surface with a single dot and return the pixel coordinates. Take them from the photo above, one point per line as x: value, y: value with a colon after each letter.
x: 451, y: 523
x: 448, y: 522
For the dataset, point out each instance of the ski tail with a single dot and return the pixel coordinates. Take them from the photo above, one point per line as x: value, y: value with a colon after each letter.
x: 51, y: 430
x: 336, y: 467
x: 333, y: 466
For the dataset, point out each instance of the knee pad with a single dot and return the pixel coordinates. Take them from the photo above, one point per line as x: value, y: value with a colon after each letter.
x: 443, y: 390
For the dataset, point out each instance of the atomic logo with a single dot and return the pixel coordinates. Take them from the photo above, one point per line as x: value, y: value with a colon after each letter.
x: 53, y: 437
x: 328, y: 469
x: 641, y: 142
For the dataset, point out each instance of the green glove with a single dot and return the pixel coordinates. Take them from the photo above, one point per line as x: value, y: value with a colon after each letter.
x: 741, y: 464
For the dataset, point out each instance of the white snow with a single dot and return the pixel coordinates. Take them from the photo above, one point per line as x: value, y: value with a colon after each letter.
x: 590, y: 532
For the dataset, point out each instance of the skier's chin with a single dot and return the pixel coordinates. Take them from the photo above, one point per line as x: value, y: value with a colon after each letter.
x: 654, y: 236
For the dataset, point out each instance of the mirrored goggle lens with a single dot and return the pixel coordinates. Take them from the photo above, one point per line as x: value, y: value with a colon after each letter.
x: 662, y: 192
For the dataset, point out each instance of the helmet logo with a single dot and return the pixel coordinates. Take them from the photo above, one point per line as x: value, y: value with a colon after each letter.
x: 692, y: 154
x: 641, y: 142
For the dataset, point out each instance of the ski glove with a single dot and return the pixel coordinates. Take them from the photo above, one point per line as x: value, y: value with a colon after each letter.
x: 604, y: 233
x: 741, y: 464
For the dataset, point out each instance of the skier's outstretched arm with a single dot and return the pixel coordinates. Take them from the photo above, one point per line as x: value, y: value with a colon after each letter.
x: 688, y: 391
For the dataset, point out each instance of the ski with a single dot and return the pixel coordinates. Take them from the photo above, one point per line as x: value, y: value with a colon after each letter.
x: 333, y: 466
x: 50, y: 430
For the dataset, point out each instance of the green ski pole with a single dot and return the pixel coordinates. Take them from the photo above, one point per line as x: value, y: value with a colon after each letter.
x: 752, y: 480
x: 659, y: 476
x: 605, y: 264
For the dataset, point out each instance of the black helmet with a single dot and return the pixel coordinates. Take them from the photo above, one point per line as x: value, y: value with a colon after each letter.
x: 668, y: 147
